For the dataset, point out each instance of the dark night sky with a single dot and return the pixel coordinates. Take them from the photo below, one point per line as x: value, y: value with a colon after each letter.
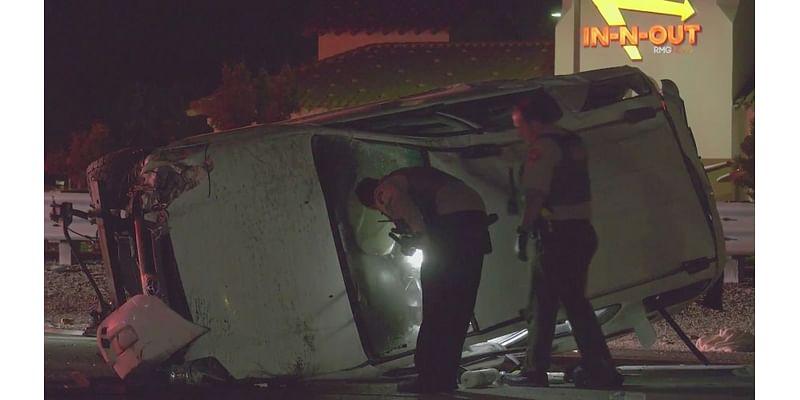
x: 94, y: 48
x: 96, y: 51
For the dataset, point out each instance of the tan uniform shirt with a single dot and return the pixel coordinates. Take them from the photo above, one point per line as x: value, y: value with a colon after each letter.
x: 543, y: 157
x: 392, y: 199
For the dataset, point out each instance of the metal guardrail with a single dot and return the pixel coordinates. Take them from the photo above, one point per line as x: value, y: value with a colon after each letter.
x: 738, y: 223
x: 739, y: 227
x: 54, y: 232
x: 80, y: 201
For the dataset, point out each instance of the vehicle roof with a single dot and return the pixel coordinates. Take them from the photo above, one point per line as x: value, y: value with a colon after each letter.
x: 462, y: 93
x: 463, y: 110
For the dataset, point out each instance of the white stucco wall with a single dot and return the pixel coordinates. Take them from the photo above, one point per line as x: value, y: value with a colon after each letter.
x: 709, y: 74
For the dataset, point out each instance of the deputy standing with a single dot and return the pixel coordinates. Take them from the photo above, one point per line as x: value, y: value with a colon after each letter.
x: 449, y: 221
x: 556, y: 184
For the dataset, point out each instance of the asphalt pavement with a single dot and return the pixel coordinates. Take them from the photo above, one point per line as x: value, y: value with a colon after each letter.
x: 74, y: 369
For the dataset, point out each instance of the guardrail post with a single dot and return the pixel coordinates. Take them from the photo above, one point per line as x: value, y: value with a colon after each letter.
x: 64, y: 253
x: 731, y: 272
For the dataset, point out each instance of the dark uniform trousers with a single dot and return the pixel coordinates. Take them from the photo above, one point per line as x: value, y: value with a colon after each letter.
x: 566, y: 249
x: 450, y: 275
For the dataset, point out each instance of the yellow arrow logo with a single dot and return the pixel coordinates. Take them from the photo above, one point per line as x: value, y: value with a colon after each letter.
x: 611, y: 10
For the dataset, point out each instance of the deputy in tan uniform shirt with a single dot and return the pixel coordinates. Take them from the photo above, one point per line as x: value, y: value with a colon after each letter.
x: 558, y: 214
x: 449, y: 219
x: 438, y: 194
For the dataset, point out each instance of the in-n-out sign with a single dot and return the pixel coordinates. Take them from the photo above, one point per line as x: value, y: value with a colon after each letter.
x: 629, y: 36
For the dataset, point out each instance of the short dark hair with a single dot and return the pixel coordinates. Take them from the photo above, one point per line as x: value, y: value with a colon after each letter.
x: 365, y: 190
x: 539, y: 107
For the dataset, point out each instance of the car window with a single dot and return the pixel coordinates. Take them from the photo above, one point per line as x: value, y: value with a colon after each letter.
x: 609, y: 91
x: 491, y: 114
x: 383, y: 284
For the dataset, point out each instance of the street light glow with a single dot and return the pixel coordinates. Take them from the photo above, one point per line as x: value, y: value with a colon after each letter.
x: 556, y: 14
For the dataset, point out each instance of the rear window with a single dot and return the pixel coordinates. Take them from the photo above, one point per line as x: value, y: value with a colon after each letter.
x: 609, y: 91
x: 473, y: 116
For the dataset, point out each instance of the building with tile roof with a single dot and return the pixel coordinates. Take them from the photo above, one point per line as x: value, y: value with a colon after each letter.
x: 390, y: 70
x: 375, y: 50
x: 343, y: 25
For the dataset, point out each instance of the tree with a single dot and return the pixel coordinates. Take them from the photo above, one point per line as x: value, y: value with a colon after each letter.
x: 233, y: 104
x: 243, y: 99
x: 55, y: 162
x: 277, y: 95
x: 55, y: 167
x: 85, y: 147
x: 147, y: 115
x: 744, y: 166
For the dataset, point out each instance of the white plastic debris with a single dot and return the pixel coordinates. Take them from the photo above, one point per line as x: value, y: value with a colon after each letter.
x: 143, y: 332
x: 479, y: 378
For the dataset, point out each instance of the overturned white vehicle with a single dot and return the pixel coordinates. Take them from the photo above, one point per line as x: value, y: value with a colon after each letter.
x: 266, y: 265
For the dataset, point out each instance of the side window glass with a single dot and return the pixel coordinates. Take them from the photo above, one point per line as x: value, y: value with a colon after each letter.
x: 610, y: 91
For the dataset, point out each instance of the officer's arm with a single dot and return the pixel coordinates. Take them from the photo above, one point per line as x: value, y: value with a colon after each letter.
x: 537, y: 178
x: 394, y: 201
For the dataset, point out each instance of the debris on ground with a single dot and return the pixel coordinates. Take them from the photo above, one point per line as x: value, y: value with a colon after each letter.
x: 68, y: 296
x: 739, y: 315
x: 727, y: 340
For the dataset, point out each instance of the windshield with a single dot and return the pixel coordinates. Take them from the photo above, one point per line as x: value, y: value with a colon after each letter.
x: 383, y: 284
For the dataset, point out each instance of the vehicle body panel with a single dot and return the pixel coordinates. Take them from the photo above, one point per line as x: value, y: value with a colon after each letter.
x: 294, y: 278
x: 258, y: 262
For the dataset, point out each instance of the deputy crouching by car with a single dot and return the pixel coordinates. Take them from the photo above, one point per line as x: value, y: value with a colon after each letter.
x: 441, y: 215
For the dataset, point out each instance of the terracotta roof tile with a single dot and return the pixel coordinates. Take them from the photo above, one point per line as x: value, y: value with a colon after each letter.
x: 383, y: 71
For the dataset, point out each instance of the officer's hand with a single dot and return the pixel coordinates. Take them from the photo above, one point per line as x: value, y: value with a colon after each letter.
x: 401, y: 228
x: 409, y: 244
x: 521, y: 245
